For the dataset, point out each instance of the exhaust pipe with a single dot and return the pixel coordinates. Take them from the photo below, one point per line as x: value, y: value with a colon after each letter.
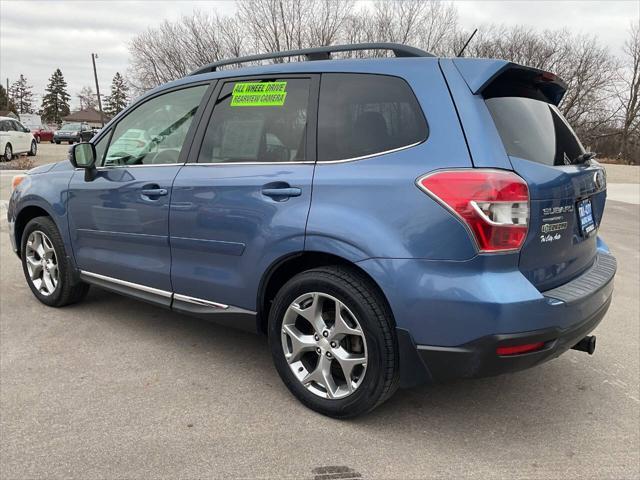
x: 587, y: 344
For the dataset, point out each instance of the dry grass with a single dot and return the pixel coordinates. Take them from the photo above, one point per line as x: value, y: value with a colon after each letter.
x: 21, y: 163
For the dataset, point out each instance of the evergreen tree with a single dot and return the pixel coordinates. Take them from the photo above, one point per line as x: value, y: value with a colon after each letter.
x: 55, y: 103
x: 22, y: 95
x: 5, y: 101
x: 119, y: 97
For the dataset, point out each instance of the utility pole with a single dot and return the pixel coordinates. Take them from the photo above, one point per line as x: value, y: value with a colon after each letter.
x: 95, y: 75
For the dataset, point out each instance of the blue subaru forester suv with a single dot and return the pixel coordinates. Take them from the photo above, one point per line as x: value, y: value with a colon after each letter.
x: 386, y: 222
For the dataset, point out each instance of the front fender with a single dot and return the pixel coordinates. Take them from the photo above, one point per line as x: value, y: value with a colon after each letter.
x: 47, y: 192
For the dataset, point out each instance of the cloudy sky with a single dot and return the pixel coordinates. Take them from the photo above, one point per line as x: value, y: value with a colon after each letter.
x: 36, y: 37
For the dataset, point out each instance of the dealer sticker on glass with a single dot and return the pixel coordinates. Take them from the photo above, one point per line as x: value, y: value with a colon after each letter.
x: 259, y: 94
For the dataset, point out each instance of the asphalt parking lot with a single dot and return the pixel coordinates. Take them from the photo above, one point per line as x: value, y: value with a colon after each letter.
x: 113, y: 388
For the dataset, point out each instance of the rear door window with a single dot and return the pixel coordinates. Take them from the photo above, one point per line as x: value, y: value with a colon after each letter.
x: 534, y: 130
x: 361, y: 115
x: 258, y: 121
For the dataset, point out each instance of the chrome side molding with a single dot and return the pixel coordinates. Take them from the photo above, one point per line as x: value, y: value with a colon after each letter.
x: 166, y: 298
x: 124, y: 283
x: 199, y: 301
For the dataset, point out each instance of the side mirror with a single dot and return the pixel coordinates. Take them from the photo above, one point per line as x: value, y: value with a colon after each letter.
x: 83, y: 155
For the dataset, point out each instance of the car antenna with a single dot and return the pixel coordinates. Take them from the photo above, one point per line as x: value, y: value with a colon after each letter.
x: 467, y: 43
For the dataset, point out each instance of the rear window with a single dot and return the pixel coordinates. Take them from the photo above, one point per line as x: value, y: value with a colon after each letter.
x: 534, y: 130
x: 361, y: 115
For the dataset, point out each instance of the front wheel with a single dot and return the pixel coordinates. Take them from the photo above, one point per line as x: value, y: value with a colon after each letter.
x: 333, y: 342
x: 34, y: 149
x: 46, y: 266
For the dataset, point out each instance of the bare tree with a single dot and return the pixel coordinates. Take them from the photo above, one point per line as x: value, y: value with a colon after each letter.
x: 88, y: 98
x: 275, y: 25
x: 326, y: 20
x: 175, y: 49
x: 629, y: 96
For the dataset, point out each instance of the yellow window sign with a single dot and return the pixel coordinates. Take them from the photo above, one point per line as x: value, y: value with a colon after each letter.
x: 259, y: 94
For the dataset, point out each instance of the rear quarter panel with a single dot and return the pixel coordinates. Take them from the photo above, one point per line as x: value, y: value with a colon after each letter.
x: 372, y: 208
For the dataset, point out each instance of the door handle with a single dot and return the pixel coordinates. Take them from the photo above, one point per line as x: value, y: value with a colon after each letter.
x: 282, y: 192
x: 154, y: 192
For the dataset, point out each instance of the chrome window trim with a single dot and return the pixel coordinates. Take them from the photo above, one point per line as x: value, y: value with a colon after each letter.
x: 124, y: 283
x: 363, y: 157
x: 354, y: 159
x: 199, y: 301
x: 305, y: 162
x: 112, y: 167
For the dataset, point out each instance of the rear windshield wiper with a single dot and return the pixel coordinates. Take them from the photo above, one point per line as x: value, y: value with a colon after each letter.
x: 582, y: 158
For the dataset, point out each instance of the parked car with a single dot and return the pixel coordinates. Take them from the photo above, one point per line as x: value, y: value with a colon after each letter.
x: 15, y: 139
x: 452, y: 230
x: 73, y: 132
x: 42, y: 133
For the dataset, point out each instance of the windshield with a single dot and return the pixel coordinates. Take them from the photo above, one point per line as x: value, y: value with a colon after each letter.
x: 70, y: 127
x: 534, y: 130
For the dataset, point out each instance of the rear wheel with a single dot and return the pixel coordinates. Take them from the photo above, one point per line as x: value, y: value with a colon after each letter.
x: 34, y: 149
x: 46, y: 266
x: 8, y: 153
x: 333, y: 341
x: 57, y: 142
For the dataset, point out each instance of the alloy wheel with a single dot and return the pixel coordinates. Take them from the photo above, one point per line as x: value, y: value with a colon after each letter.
x: 324, y: 345
x: 42, y: 263
x: 8, y: 154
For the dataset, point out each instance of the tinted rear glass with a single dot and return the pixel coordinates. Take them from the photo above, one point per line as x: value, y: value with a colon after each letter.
x: 534, y: 130
x: 362, y: 115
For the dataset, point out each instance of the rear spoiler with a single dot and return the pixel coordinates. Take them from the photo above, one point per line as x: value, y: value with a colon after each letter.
x: 500, y: 78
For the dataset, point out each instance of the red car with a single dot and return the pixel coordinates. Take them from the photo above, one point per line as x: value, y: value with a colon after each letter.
x: 42, y: 133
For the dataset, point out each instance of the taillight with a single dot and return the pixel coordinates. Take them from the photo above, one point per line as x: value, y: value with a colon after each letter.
x: 494, y: 204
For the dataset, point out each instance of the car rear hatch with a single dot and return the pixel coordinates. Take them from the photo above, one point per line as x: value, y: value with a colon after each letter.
x: 567, y: 189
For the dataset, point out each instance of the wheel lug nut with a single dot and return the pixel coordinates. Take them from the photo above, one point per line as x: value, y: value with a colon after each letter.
x: 318, y: 350
x: 325, y: 333
x: 329, y: 355
x: 316, y: 337
x: 333, y: 344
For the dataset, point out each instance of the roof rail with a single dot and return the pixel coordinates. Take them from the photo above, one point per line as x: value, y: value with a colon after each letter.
x: 318, y: 53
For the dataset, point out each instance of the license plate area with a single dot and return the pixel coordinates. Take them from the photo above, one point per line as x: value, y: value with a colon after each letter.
x: 585, y: 217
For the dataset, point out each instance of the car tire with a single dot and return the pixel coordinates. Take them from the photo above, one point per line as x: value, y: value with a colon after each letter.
x: 47, y: 267
x: 364, y: 311
x: 8, y: 153
x: 33, y: 151
x: 70, y: 142
x: 57, y: 142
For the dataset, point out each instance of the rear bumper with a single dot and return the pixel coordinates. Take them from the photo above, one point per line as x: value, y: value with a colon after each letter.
x: 479, y: 359
x: 66, y: 138
x: 452, y: 316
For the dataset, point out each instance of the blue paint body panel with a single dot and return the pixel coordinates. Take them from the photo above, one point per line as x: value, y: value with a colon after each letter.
x: 225, y: 233
x: 119, y: 232
x: 215, y: 236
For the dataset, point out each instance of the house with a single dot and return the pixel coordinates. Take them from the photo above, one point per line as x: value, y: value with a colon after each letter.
x: 8, y: 113
x: 88, y: 115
